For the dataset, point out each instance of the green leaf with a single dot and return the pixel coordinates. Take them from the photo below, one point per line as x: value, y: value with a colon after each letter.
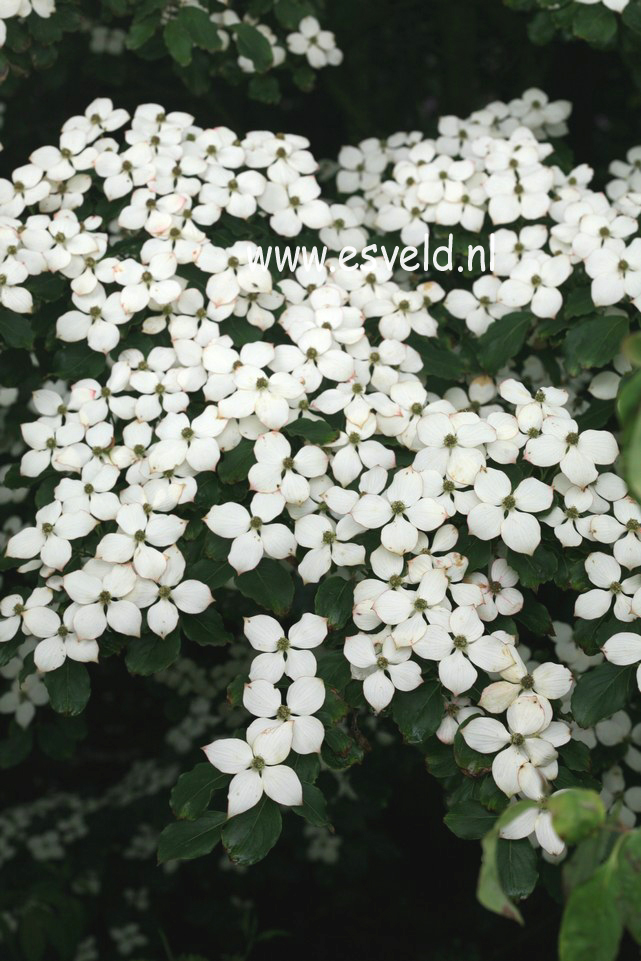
x: 69, y: 687
x: 469, y: 820
x: 253, y: 45
x: 575, y: 755
x: 250, y: 836
x: 212, y: 573
x: 315, y: 431
x: 335, y: 600
x: 149, y: 654
x: 600, y: 692
x: 576, y: 813
x: 536, y: 617
x: 418, y: 713
x: 517, y: 863
x: 629, y: 882
x: 578, y: 303
x: 16, y: 329
x: 591, y: 928
x: 193, y: 790
x: 206, y: 628
x: 631, y: 17
x: 140, y: 33
x: 489, y: 891
x: 593, y: 342
x: 632, y: 452
x: 503, y: 340
x: 235, y: 464
x: 270, y: 585
x: 439, y: 361
x: 190, y: 839
x: 289, y: 13
x: 535, y: 569
x: 264, y: 88
x: 76, y: 361
x: 178, y: 41
x: 596, y: 24
x: 313, y: 808
x: 202, y: 30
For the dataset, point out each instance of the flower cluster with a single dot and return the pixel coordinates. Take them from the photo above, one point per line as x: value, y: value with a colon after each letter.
x: 399, y: 448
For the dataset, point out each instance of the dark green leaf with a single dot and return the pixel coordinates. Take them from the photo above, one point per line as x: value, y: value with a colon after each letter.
x: 518, y: 871
x: 253, y: 45
x: 600, y: 692
x: 190, y: 839
x: 193, y: 790
x: 335, y: 600
x: 418, y: 713
x: 469, y: 820
x: 315, y: 431
x: 149, y: 654
x: 69, y: 687
x: 250, y: 836
x: 270, y: 585
x: 503, y: 340
x: 593, y: 342
x: 178, y: 41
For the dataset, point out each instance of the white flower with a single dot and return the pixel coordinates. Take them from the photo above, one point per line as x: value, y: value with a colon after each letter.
x: 140, y: 533
x: 506, y: 513
x: 624, y: 530
x: 401, y: 511
x: 100, y: 592
x: 534, y: 281
x: 35, y: 609
x: 319, y: 46
x: 62, y: 642
x: 257, y: 767
x: 252, y: 534
x: 458, y: 643
x: 173, y: 594
x: 576, y: 453
x: 295, y: 205
x: 382, y: 666
x: 284, y: 653
x: 500, y: 596
x: 456, y: 444
x: 50, y: 539
x: 536, y: 821
x: 277, y: 470
x: 605, y: 573
x: 549, y: 680
x: 305, y: 696
x: 624, y: 648
x: 328, y: 545
x: 527, y: 758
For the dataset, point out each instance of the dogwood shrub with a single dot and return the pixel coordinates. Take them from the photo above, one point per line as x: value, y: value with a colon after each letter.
x: 399, y: 495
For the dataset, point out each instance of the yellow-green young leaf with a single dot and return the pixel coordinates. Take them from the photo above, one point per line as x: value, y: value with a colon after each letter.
x: 591, y: 928
x: 628, y: 878
x: 576, y: 813
x: 489, y: 890
x: 632, y: 349
x: 632, y: 457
